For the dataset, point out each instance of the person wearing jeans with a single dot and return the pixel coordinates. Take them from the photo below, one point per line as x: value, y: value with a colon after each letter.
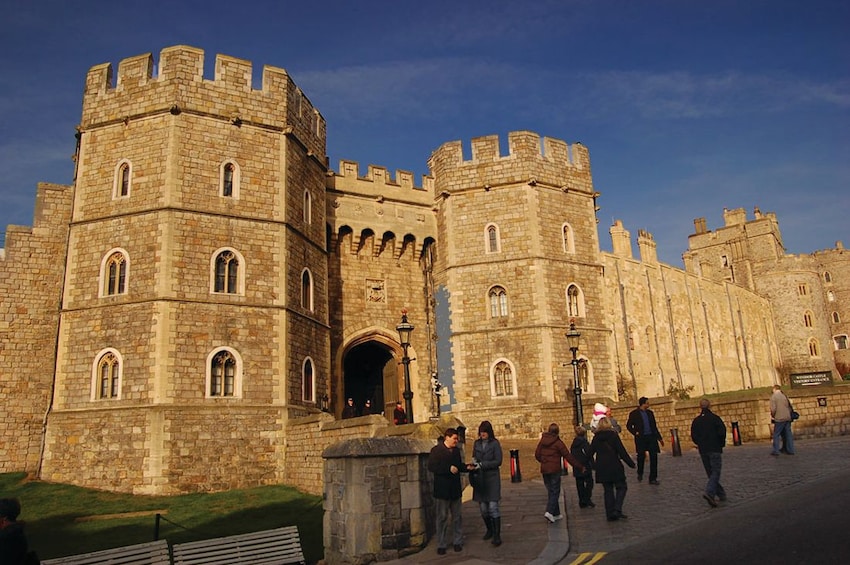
x: 780, y: 415
x: 549, y: 452
x: 708, y: 432
x: 446, y: 464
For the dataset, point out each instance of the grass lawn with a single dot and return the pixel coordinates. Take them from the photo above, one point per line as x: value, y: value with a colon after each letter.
x: 65, y: 520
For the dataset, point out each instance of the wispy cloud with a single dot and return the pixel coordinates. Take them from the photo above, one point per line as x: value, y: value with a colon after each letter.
x: 421, y: 88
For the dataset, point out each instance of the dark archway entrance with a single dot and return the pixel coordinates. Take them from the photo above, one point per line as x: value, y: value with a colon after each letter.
x: 371, y: 372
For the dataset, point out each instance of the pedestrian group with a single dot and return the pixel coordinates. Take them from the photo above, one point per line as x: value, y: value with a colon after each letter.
x: 604, y: 455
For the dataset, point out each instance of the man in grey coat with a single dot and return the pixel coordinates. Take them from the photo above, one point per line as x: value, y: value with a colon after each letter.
x: 780, y: 414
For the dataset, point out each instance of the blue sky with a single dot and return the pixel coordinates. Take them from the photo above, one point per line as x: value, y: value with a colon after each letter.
x: 687, y: 107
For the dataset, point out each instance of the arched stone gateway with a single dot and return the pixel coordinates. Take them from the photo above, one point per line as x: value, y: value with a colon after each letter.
x: 371, y: 370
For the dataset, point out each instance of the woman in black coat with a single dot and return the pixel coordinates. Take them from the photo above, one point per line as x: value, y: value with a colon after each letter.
x: 608, y: 451
x: 487, y: 488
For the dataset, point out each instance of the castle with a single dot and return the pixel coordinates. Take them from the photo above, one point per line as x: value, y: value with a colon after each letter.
x: 208, y: 279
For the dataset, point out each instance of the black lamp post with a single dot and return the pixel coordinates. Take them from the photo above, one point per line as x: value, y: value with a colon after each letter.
x: 572, y: 339
x: 404, y: 329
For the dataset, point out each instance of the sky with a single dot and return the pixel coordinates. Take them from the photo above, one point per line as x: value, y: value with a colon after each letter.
x: 687, y: 107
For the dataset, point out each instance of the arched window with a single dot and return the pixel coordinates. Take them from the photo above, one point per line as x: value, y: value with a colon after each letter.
x: 827, y: 277
x: 226, y: 273
x: 575, y: 302
x: 808, y: 318
x: 840, y: 341
x: 492, y: 243
x: 229, y: 179
x: 307, y: 290
x: 502, y: 379
x: 830, y: 296
x: 123, y: 179
x: 568, y: 238
x: 106, y: 377
x: 836, y: 319
x: 308, y: 204
x: 498, y: 302
x: 113, y: 273
x: 308, y: 381
x: 814, y: 348
x: 585, y: 375
x: 223, y: 370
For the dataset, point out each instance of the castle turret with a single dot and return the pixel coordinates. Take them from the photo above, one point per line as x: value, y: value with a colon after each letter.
x: 519, y: 259
x: 196, y: 252
x: 646, y: 244
x: 620, y: 240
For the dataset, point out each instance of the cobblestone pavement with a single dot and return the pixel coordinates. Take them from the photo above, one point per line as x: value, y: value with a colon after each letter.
x: 749, y: 473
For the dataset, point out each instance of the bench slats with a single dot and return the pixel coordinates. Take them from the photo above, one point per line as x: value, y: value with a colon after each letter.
x: 151, y: 553
x: 281, y: 545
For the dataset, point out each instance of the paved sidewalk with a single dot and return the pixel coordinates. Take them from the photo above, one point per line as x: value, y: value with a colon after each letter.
x: 749, y: 472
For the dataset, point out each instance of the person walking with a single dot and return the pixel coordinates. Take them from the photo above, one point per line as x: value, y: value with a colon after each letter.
x: 609, y: 453
x: 487, y: 490
x: 641, y: 424
x: 550, y: 449
x: 780, y: 415
x: 445, y: 462
x: 708, y: 432
x: 580, y: 450
x: 601, y: 411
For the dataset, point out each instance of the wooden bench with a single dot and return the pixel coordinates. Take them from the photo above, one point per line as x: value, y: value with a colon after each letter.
x: 281, y: 545
x: 152, y: 553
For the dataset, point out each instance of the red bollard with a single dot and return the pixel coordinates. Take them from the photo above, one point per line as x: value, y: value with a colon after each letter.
x: 736, y: 434
x: 516, y: 474
x: 674, y: 442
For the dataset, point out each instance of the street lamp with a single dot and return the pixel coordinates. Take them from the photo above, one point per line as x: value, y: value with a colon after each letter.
x: 404, y: 329
x: 573, y: 336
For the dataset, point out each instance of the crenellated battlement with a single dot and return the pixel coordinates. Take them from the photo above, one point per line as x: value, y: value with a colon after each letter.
x: 379, y: 183
x: 177, y: 85
x: 530, y: 158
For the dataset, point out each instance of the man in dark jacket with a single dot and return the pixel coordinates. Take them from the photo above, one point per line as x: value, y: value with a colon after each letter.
x: 446, y: 464
x: 708, y: 432
x: 13, y: 542
x: 642, y: 425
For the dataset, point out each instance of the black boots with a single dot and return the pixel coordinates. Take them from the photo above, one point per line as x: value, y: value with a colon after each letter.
x: 497, y: 531
x: 488, y: 521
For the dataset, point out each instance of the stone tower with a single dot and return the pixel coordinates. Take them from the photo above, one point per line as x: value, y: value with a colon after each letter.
x: 518, y: 259
x: 195, y: 298
x: 802, y: 290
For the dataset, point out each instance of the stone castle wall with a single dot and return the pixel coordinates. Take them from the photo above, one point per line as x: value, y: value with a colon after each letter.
x: 673, y: 327
x: 31, y: 271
